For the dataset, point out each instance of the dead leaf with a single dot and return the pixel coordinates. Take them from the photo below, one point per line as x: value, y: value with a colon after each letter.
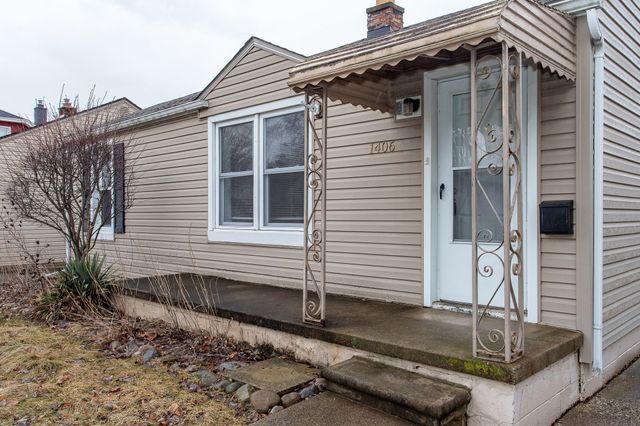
x: 64, y: 378
x: 151, y: 334
x: 175, y: 409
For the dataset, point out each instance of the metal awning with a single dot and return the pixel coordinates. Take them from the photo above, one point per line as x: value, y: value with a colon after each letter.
x: 542, y: 34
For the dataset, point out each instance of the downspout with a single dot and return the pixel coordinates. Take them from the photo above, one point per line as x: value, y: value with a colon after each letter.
x: 598, y: 179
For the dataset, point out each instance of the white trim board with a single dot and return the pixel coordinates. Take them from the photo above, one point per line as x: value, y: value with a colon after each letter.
x: 430, y: 183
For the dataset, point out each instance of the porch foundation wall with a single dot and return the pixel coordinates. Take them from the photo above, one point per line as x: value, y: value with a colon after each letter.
x: 616, y: 358
x: 540, y: 399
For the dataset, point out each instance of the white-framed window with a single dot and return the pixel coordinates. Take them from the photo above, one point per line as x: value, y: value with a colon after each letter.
x: 105, y: 215
x: 5, y: 131
x: 256, y: 174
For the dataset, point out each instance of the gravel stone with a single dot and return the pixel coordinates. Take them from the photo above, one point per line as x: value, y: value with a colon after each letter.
x: 230, y: 365
x: 207, y: 378
x: 291, y: 398
x: 308, y: 392
x: 131, y: 347
x: 276, y: 409
x: 221, y: 385
x: 321, y: 384
x: 263, y: 400
x: 243, y: 393
x: 232, y: 387
x: 149, y: 354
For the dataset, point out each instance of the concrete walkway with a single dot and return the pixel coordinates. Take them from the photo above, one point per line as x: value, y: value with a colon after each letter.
x: 616, y: 404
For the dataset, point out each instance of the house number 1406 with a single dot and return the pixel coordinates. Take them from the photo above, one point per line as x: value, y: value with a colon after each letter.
x: 382, y: 147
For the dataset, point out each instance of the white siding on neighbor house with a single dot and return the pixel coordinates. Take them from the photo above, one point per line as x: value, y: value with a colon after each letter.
x: 374, y: 201
x: 621, y: 261
x: 557, y: 147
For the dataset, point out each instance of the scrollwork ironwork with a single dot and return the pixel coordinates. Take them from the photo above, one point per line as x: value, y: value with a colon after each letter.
x: 497, y: 260
x: 314, y: 280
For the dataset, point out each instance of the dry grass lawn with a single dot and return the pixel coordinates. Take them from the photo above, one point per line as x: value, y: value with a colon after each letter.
x: 50, y: 377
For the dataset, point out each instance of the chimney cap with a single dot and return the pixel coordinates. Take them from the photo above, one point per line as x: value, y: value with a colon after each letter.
x: 380, y: 5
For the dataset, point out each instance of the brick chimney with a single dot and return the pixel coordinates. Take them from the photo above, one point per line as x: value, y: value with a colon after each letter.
x: 383, y: 18
x: 67, y: 109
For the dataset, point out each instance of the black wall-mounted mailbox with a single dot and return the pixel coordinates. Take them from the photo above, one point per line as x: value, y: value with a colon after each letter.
x: 556, y: 217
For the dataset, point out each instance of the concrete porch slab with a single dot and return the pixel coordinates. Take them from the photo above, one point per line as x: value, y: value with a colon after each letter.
x: 275, y: 374
x: 426, y: 336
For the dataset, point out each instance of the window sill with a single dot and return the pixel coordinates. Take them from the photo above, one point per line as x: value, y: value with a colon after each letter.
x: 106, y: 235
x: 275, y: 237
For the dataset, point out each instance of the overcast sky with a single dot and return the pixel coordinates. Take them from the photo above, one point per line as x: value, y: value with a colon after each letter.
x: 155, y: 50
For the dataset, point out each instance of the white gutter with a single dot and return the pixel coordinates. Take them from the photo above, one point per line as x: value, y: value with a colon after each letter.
x: 165, y: 113
x: 576, y: 7
x: 598, y: 184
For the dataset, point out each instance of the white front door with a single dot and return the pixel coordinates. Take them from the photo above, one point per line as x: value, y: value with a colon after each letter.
x: 453, y: 197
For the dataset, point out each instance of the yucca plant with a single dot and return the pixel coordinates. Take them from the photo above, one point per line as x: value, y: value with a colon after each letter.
x: 83, y: 285
x: 87, y: 278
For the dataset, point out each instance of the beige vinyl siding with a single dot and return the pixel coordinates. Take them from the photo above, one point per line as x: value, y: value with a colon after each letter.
x: 166, y: 229
x: 21, y: 238
x: 374, y: 202
x: 621, y: 269
x: 260, y: 77
x: 557, y: 147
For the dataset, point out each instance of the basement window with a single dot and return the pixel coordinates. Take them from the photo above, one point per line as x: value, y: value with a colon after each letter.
x: 256, y: 184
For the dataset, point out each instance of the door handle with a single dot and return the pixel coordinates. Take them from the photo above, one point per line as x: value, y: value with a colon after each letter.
x: 441, y: 190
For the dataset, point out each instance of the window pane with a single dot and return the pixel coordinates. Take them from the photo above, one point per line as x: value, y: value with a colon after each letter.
x: 105, y: 215
x: 487, y: 219
x: 236, y: 148
x: 462, y: 127
x: 285, y: 198
x: 236, y: 200
x: 284, y: 139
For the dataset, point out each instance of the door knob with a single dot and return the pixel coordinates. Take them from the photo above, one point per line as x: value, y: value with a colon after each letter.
x: 441, y: 190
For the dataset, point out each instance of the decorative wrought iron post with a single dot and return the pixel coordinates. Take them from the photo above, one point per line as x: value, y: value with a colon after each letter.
x: 315, y: 208
x: 497, y: 226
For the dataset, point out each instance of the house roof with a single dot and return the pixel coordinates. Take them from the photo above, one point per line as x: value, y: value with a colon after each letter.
x: 12, y: 118
x: 162, y: 106
x: 541, y: 33
x: 5, y: 114
x: 163, y: 110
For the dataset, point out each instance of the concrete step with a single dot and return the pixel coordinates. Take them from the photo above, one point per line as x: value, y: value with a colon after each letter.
x: 408, y: 395
x: 329, y: 409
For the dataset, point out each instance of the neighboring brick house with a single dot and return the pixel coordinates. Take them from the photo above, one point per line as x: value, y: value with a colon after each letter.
x: 11, y: 123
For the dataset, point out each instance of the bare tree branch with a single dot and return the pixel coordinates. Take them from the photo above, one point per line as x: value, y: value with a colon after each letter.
x: 60, y: 175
